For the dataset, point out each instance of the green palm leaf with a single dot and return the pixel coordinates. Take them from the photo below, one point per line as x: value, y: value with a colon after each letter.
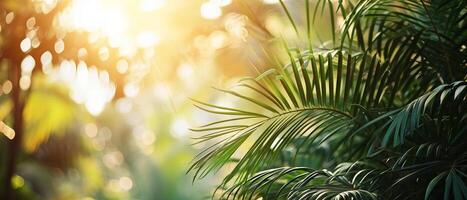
x: 313, y: 97
x: 347, y: 181
x: 400, y: 123
x: 375, y: 86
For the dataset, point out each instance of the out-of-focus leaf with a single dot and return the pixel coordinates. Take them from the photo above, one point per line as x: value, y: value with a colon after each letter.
x: 91, y: 174
x: 47, y: 111
x: 5, y: 107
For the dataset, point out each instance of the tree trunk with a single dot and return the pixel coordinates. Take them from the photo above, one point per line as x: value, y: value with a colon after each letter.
x: 15, y: 144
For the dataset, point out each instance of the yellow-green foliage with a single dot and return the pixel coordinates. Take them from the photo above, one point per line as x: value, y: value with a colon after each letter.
x: 47, y: 111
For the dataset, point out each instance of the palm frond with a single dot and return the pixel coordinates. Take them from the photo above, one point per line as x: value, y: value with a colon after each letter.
x: 311, y: 98
x: 373, y: 94
x: 445, y: 104
x: 347, y: 181
x: 441, y: 25
x: 425, y: 164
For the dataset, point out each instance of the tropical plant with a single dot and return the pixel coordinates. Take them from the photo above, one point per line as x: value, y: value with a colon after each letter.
x: 379, y: 112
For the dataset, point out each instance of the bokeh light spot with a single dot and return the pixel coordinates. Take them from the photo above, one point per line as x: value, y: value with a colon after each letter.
x: 27, y: 65
x: 125, y: 183
x: 185, y: 71
x: 122, y: 66
x: 59, y: 46
x: 104, y: 53
x: 179, y: 128
x: 7, y: 87
x: 46, y: 58
x: 90, y: 129
x: 31, y: 23
x: 25, y: 82
x: 17, y: 181
x: 82, y: 53
x: 25, y: 44
x: 9, y: 17
x: 131, y: 89
x: 124, y: 105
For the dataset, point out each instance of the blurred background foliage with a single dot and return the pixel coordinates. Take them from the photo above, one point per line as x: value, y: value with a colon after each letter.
x: 102, y: 89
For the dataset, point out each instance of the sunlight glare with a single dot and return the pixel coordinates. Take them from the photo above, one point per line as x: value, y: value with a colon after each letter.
x: 218, y: 39
x: 47, y: 5
x: 210, y: 10
x: 89, y: 86
x: 147, y: 39
x: 151, y: 5
x: 185, y: 71
x: 162, y: 91
x: 94, y: 16
x: 67, y: 69
x: 221, y: 3
x: 131, y: 89
x: 179, y: 128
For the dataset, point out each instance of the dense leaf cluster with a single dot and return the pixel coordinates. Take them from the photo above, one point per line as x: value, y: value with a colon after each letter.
x: 381, y: 114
